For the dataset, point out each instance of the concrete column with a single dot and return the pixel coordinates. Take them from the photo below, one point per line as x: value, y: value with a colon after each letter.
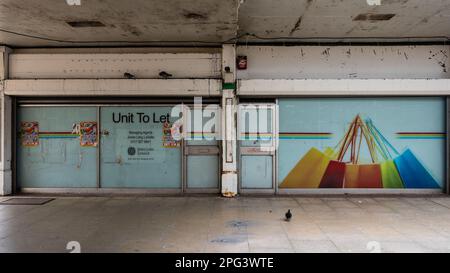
x: 5, y: 127
x: 229, y: 149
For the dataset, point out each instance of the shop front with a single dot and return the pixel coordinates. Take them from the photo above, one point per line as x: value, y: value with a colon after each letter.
x: 113, y: 147
x: 345, y: 144
x: 278, y: 125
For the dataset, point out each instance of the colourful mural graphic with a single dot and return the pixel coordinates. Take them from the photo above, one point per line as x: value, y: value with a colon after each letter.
x: 341, y: 167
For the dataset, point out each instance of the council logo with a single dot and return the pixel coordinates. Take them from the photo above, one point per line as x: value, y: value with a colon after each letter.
x: 131, y: 151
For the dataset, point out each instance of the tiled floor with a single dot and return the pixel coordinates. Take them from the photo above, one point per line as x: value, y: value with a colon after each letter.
x: 214, y: 224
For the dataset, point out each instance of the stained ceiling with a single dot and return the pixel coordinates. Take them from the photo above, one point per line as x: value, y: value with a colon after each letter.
x: 31, y: 23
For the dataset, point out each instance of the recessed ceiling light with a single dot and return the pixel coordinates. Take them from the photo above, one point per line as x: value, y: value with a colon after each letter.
x: 373, y: 17
x: 86, y: 24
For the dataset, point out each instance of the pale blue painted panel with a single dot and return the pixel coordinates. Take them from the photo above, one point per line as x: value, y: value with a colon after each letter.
x: 58, y: 161
x: 133, y: 154
x: 203, y: 171
x: 256, y: 172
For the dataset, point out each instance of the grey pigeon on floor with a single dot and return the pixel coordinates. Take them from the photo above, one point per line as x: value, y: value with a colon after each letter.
x: 288, y: 215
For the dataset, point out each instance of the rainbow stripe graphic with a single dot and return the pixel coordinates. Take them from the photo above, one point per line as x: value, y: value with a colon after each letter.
x: 305, y: 135
x: 287, y: 135
x: 256, y: 136
x: 421, y: 135
x: 48, y: 135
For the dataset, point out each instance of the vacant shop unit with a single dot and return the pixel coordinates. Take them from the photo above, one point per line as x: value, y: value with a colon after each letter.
x: 347, y: 119
x: 113, y: 147
x: 111, y: 122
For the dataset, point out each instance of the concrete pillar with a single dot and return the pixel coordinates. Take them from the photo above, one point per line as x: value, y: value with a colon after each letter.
x: 5, y: 127
x: 229, y: 149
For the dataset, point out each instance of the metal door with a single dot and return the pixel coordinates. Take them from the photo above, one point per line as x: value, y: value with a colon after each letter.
x: 202, y: 148
x: 257, y: 135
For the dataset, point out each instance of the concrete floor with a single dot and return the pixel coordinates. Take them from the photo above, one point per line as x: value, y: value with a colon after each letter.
x: 214, y: 224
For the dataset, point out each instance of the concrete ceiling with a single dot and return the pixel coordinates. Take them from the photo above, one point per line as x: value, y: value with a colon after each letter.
x: 324, y: 19
x: 31, y: 23
x: 134, y: 21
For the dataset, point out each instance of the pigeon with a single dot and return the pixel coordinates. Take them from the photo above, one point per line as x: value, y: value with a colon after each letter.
x: 288, y: 215
x: 164, y: 74
x: 129, y: 75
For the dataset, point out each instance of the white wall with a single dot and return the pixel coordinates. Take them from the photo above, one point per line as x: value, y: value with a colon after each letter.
x: 346, y: 62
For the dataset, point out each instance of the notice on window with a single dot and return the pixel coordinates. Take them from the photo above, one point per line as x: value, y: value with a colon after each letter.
x: 140, y: 145
x: 171, y: 135
x: 29, y: 133
x: 88, y: 134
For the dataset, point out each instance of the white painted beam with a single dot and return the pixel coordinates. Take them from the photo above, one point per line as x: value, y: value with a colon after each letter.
x: 346, y: 62
x: 113, y: 87
x: 114, y: 65
x: 345, y: 87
